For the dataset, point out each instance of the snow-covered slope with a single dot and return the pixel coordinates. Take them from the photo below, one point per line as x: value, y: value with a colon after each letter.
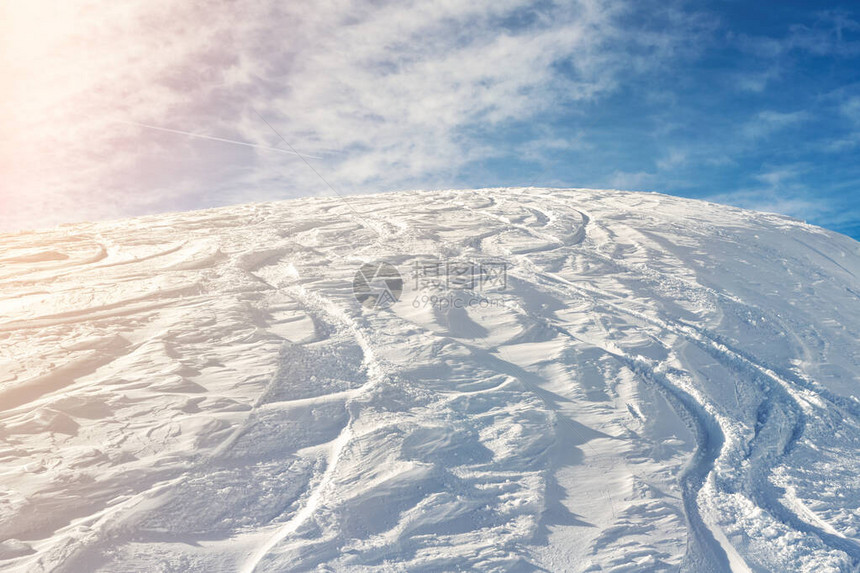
x: 658, y: 384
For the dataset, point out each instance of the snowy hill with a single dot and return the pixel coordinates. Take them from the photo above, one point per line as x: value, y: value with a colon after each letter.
x: 569, y: 380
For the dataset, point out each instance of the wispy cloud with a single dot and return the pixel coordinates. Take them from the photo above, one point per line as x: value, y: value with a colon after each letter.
x: 828, y: 33
x: 768, y: 122
x: 389, y: 94
x: 674, y: 158
x: 630, y: 180
x: 782, y: 189
x: 776, y: 177
x: 383, y: 95
x: 850, y: 108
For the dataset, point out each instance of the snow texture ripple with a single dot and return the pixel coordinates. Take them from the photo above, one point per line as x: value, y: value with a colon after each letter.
x: 659, y: 384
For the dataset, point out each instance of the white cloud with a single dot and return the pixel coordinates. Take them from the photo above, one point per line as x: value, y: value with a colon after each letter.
x: 635, y: 181
x: 850, y: 108
x: 768, y: 122
x: 782, y: 191
x: 824, y: 35
x: 391, y: 94
x: 779, y: 176
x: 768, y: 201
x: 673, y: 159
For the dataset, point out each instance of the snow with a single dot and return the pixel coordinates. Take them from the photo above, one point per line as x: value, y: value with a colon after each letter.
x: 660, y: 384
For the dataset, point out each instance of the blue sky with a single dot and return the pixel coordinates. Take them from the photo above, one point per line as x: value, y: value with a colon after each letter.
x: 750, y: 104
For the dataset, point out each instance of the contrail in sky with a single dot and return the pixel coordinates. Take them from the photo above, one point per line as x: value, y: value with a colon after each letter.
x: 212, y: 138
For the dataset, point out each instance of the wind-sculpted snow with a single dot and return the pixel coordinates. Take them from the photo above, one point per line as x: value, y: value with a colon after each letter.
x: 652, y: 384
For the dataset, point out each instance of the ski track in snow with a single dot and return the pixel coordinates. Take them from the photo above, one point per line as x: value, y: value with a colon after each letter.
x: 663, y: 384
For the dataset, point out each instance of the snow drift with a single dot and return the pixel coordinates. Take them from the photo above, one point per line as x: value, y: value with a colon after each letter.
x: 656, y: 384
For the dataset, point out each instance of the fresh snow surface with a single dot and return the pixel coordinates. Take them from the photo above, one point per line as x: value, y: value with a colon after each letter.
x: 662, y: 384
